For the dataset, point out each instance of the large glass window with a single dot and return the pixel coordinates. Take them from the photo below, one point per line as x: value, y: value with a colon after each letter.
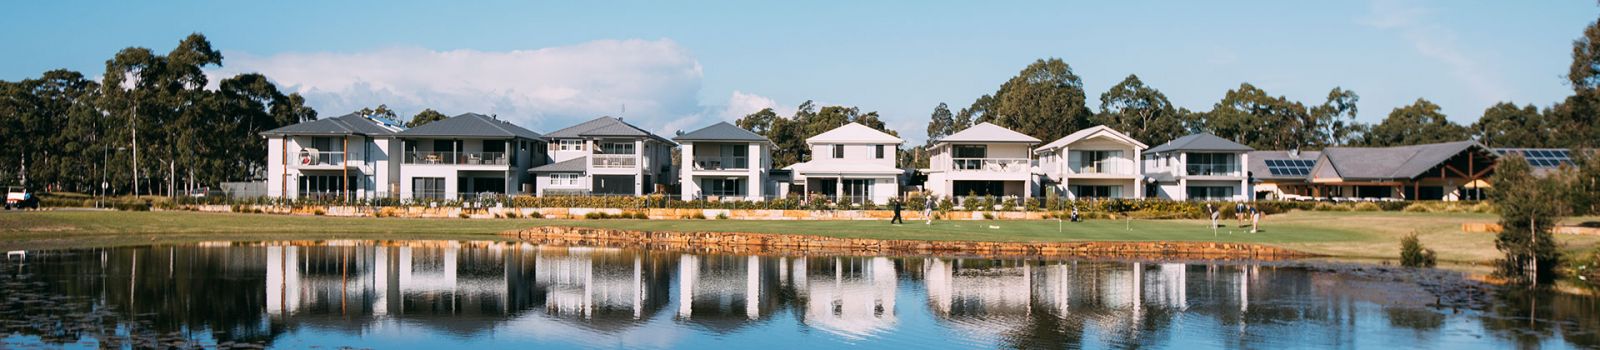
x: 1211, y: 164
x: 1097, y: 191
x: 570, y: 145
x: 1210, y: 193
x: 616, y: 148
x: 735, y: 156
x: 725, y: 187
x: 858, y: 189
x: 1094, y: 162
x: 427, y: 188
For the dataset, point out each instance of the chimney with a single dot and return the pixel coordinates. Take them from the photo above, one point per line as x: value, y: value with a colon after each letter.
x: 1294, y: 153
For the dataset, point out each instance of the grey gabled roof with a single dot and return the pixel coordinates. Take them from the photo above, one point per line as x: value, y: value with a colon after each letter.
x: 1202, y: 142
x: 603, y: 127
x: 471, y: 125
x: 574, y: 165
x: 1384, y: 163
x: 722, y: 131
x: 349, y: 124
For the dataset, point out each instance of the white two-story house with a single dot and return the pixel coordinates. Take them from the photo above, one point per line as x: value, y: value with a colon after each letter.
x: 854, y: 162
x: 1097, y: 162
x: 983, y: 160
x: 348, y: 157
x: 468, y: 156
x: 725, y: 162
x: 605, y: 156
x: 1198, y: 167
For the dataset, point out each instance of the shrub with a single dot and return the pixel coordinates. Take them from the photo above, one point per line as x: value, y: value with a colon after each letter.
x: 1366, y: 206
x: 988, y: 216
x: 535, y: 215
x: 319, y: 212
x: 1412, y: 254
x: 722, y: 216
x: 1325, y: 206
x: 464, y: 215
x: 698, y: 216
x: 511, y: 214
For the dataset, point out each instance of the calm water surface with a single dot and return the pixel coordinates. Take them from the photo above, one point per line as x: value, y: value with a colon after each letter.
x: 448, y: 294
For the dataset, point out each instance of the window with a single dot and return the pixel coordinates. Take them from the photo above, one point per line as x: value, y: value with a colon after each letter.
x: 729, y: 187
x: 1211, y: 164
x: 859, y: 190
x: 879, y: 150
x: 427, y: 188
x: 323, y: 185
x: 564, y: 179
x: 734, y: 156
x: 570, y: 145
x: 1085, y: 191
x: 970, y: 151
x: 1210, y: 193
x: 1094, y: 162
x: 616, y: 148
x: 838, y: 151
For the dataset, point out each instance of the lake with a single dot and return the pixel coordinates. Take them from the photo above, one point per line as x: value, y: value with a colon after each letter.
x: 492, y: 294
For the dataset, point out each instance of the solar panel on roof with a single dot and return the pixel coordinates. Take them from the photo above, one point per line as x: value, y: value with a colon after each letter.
x: 1289, y: 167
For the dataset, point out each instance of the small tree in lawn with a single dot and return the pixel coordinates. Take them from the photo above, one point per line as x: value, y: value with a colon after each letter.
x: 1529, y: 208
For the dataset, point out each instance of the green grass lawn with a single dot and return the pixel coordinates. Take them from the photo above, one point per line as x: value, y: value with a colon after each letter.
x: 1363, y: 235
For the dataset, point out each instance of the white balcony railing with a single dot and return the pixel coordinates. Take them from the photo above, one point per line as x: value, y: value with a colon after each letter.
x: 614, y: 160
x: 1212, y: 170
x: 721, y: 163
x: 470, y: 158
x: 323, y: 158
x: 1000, y: 165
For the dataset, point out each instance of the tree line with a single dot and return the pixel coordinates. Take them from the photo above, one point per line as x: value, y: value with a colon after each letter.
x: 1046, y: 100
x: 64, y: 132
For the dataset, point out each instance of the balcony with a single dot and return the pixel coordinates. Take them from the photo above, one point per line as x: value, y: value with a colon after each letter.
x: 614, y: 161
x: 722, y: 163
x: 308, y: 158
x: 1212, y: 170
x: 998, y: 165
x: 1106, y: 168
x: 467, y: 158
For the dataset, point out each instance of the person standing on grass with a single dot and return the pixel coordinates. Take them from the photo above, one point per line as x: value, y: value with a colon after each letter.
x: 1238, y: 213
x: 895, y: 203
x: 1255, y: 219
x: 1215, y: 214
x: 927, y: 208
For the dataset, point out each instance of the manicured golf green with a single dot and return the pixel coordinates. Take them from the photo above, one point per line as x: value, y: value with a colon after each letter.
x: 1339, y: 234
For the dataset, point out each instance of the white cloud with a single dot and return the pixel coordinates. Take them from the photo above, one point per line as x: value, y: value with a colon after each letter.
x: 542, y: 89
x: 1437, y: 42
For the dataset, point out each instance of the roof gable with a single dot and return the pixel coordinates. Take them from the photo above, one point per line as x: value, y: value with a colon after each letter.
x: 988, y: 132
x: 603, y: 127
x: 1097, y: 130
x: 1402, y: 162
x: 1200, y: 142
x: 349, y: 124
x: 722, y: 131
x: 854, y: 133
x: 471, y: 125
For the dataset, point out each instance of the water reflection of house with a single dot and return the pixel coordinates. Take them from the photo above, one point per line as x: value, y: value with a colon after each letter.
x: 605, y: 288
x: 725, y: 292
x: 1054, y: 300
x: 849, y: 296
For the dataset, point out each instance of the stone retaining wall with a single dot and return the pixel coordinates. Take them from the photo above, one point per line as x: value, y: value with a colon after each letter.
x: 578, y: 213
x: 757, y: 243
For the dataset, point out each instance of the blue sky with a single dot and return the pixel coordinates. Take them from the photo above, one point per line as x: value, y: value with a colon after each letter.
x: 679, y: 66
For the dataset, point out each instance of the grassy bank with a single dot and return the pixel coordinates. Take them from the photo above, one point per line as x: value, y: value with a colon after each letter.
x: 1363, y: 235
